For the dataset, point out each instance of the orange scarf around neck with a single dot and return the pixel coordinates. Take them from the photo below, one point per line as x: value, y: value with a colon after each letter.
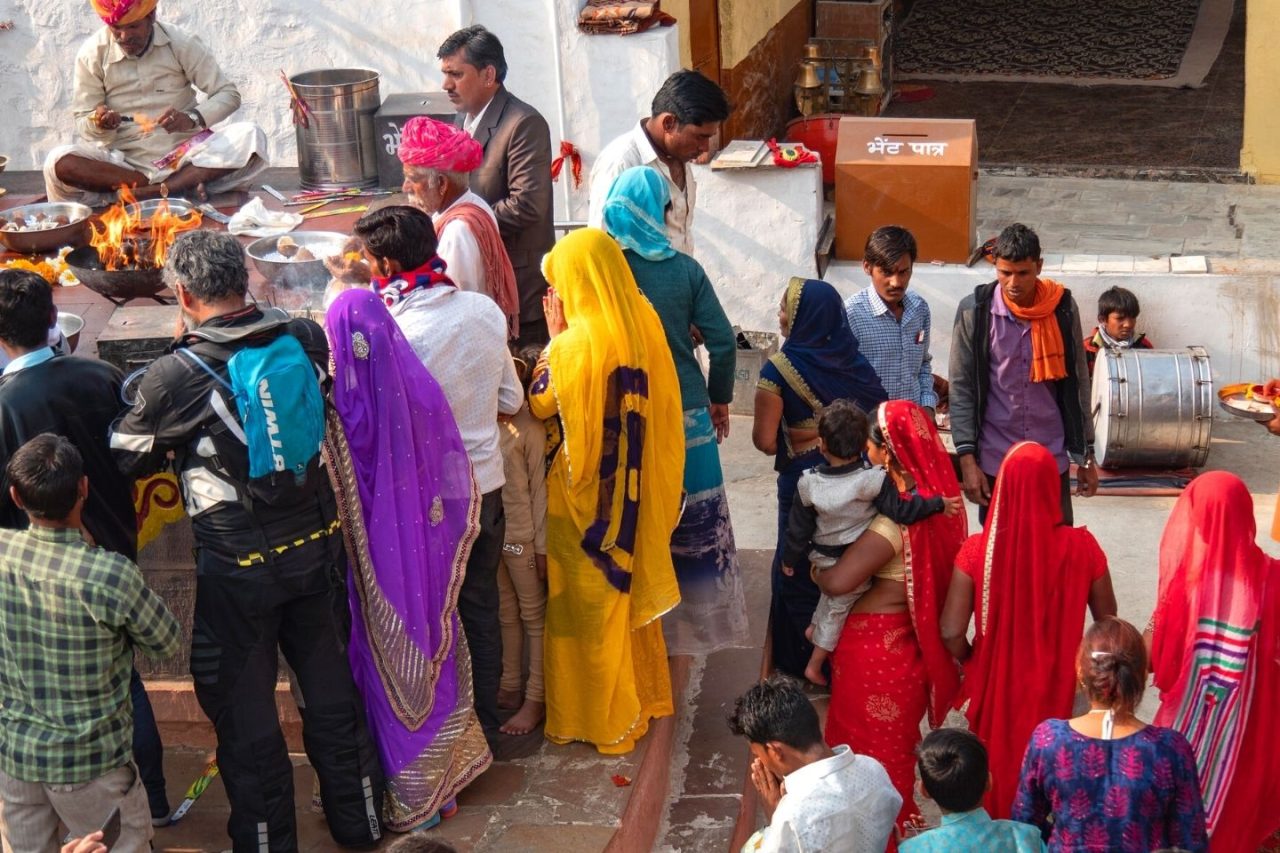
x: 1048, y: 354
x: 501, y: 278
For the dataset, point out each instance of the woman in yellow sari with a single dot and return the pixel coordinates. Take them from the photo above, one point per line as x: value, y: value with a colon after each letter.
x: 607, y: 385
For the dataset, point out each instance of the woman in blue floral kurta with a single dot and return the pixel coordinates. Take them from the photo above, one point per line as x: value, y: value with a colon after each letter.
x: 1109, y: 781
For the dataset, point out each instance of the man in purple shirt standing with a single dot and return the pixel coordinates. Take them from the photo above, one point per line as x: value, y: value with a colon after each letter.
x: 1001, y: 393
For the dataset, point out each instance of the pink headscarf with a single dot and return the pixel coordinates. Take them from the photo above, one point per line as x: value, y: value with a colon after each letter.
x: 435, y: 145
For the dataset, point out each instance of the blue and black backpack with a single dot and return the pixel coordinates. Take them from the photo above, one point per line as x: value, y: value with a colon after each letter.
x: 279, y: 414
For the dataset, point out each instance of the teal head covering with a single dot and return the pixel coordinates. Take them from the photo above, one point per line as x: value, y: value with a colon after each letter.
x: 635, y: 213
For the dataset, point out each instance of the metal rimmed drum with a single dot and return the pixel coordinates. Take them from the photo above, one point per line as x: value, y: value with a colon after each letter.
x: 1152, y: 408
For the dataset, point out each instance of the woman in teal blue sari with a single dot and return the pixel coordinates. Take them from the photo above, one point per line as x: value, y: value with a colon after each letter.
x: 712, y: 613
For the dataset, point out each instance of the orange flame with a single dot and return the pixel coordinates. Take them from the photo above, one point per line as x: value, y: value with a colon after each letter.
x: 119, y: 240
x: 145, y: 123
x: 165, y: 228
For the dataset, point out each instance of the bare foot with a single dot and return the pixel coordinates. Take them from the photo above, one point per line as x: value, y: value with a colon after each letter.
x: 148, y: 191
x: 509, y: 700
x: 531, y: 713
x: 813, y: 672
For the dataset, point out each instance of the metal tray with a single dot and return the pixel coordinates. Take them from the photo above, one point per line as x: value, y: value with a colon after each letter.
x: 1234, y: 399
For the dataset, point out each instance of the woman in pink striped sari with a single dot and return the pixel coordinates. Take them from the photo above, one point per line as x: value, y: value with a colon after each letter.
x: 1215, y: 653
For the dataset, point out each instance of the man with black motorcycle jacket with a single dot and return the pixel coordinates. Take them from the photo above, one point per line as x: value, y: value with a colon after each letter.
x: 270, y: 560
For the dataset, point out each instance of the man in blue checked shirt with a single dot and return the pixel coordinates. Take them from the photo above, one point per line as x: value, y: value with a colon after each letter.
x: 892, y: 325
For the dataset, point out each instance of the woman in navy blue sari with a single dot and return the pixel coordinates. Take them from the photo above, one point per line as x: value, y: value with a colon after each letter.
x: 818, y: 363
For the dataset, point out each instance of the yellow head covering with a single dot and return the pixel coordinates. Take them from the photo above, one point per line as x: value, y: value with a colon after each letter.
x: 619, y: 399
x: 119, y: 13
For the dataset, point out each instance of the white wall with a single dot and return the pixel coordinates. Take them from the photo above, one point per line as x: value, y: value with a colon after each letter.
x: 1234, y: 317
x: 752, y: 230
x: 591, y: 87
x: 252, y: 39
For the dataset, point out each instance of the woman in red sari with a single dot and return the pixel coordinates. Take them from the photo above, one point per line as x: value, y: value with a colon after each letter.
x: 1215, y: 653
x: 1025, y: 579
x: 890, y: 667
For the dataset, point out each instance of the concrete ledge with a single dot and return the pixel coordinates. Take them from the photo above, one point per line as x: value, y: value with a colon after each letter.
x: 183, y: 724
x: 1230, y: 311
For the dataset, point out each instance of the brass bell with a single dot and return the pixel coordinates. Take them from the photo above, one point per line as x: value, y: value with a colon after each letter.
x: 808, y: 89
x: 870, y: 83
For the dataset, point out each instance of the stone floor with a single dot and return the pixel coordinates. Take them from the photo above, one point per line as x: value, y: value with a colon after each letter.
x: 1234, y: 225
x: 561, y: 800
x: 1112, y: 127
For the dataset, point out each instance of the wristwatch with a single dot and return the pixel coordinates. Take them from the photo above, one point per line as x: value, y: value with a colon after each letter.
x: 196, y: 118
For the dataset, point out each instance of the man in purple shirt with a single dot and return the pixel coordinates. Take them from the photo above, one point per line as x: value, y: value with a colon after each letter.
x: 996, y: 398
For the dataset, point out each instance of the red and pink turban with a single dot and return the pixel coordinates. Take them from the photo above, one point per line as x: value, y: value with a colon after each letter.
x: 435, y: 145
x: 119, y: 13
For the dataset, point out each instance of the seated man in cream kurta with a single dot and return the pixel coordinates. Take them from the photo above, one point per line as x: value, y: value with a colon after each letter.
x: 135, y: 71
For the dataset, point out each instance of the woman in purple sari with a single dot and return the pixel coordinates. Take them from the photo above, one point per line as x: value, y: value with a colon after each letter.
x: 410, y: 510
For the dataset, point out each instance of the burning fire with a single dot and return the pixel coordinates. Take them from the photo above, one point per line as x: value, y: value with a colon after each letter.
x: 145, y: 123
x: 120, y: 241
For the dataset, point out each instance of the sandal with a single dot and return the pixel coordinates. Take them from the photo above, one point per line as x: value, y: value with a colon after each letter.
x: 430, y: 822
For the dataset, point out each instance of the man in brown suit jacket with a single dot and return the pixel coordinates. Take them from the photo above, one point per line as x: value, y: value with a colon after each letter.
x: 515, y: 178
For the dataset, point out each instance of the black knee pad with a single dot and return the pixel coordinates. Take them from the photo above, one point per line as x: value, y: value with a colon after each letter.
x: 350, y: 773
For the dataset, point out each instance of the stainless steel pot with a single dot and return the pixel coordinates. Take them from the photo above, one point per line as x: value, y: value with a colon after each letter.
x: 337, y: 147
x: 34, y: 242
x: 296, y: 285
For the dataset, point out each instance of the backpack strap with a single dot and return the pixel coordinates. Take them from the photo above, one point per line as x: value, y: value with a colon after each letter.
x: 218, y: 404
x: 203, y: 365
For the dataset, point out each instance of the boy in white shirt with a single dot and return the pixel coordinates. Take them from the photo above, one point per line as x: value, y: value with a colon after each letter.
x: 817, y: 799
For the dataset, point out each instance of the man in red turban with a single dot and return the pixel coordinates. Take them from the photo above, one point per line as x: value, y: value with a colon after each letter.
x: 135, y: 105
x: 437, y: 159
x: 121, y: 13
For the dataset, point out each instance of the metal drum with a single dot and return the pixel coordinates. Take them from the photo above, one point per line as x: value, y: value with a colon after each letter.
x: 337, y: 148
x: 1152, y: 408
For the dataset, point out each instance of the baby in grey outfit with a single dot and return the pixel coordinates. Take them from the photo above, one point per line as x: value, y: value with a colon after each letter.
x: 834, y: 504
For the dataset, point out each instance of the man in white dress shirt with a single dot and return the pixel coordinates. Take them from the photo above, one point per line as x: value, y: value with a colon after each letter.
x: 686, y: 115
x: 438, y: 158
x: 817, y: 799
x: 461, y: 337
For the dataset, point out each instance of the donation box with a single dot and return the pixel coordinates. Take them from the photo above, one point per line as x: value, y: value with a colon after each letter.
x: 917, y: 173
x: 389, y: 121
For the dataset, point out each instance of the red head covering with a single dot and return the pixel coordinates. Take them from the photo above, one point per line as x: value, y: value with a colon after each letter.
x: 929, y: 546
x: 1215, y: 653
x: 1031, y: 576
x: 435, y: 145
x: 500, y: 277
x: 119, y: 13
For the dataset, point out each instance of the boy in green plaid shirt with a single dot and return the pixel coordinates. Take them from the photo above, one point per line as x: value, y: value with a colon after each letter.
x: 73, y: 615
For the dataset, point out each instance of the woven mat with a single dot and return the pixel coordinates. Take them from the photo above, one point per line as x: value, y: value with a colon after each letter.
x: 1166, y: 43
x: 1141, y: 481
